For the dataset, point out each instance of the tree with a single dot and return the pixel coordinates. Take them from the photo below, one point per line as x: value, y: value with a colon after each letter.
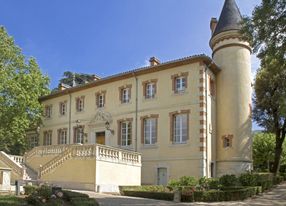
x: 264, y: 151
x: 21, y: 84
x: 266, y: 32
x: 79, y: 78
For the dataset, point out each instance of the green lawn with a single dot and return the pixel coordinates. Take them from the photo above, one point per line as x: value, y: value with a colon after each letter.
x: 11, y: 200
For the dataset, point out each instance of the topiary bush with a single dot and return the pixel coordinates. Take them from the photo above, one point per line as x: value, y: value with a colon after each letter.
x: 228, y: 180
x: 248, y: 179
x: 185, y: 181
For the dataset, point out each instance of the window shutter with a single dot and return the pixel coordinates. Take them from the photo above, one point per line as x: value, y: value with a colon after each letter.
x: 156, y: 130
x: 59, y: 136
x: 174, y: 84
x: 76, y: 104
x: 129, y: 94
x: 188, y: 127
x: 142, y: 130
x: 186, y: 81
x: 172, y: 127
x: 97, y: 100
x: 103, y: 95
x: 74, y: 135
x: 119, y: 133
x: 130, y: 132
x: 155, y: 88
x: 144, y: 89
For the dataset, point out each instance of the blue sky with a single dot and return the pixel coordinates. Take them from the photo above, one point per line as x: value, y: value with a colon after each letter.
x: 105, y: 37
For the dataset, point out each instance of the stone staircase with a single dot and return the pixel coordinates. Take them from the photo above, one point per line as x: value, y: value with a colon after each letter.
x: 16, y: 163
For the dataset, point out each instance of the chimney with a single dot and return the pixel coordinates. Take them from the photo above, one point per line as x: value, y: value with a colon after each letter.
x: 154, y: 61
x: 213, y: 24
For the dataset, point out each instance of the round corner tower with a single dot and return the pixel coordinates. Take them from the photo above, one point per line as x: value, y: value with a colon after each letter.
x: 233, y: 57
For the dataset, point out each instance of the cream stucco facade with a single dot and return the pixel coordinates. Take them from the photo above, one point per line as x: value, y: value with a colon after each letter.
x: 186, y: 117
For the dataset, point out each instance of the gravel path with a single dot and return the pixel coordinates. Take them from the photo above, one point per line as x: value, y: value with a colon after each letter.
x: 276, y: 196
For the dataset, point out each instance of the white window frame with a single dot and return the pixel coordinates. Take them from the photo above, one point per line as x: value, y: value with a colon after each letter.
x: 79, y: 135
x: 80, y: 104
x: 126, y: 133
x: 48, y: 111
x: 150, y: 90
x: 180, y: 84
x: 100, y: 100
x: 63, y: 108
x: 47, y: 138
x: 150, y: 131
x: 179, y: 137
x: 125, y: 95
x: 63, y: 136
x: 33, y: 141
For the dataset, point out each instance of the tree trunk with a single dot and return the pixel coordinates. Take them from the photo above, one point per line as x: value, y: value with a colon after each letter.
x: 277, y: 157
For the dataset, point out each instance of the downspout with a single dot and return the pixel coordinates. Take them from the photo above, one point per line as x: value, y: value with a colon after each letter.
x: 136, y: 112
x: 70, y: 118
x: 207, y: 127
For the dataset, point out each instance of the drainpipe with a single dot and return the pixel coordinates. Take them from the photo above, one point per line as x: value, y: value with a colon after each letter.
x: 70, y: 118
x: 136, y: 112
x: 207, y: 124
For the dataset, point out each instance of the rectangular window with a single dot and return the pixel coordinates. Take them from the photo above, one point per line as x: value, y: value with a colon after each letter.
x: 62, y: 136
x: 212, y: 87
x: 125, y: 95
x: 79, y: 104
x: 125, y: 133
x: 33, y: 141
x: 180, y: 84
x: 48, y: 111
x: 150, y: 90
x: 150, y: 131
x: 79, y: 135
x: 100, y: 100
x: 180, y: 128
x: 63, y: 108
x: 47, y: 138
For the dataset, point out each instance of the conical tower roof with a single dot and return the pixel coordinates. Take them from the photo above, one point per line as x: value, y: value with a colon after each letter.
x: 229, y: 19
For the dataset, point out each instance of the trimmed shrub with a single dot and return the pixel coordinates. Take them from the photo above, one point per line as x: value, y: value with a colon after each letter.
x: 248, y: 179
x: 228, y: 180
x: 187, y: 181
x: 29, y: 189
x: 151, y: 195
x: 147, y: 188
x: 214, y: 183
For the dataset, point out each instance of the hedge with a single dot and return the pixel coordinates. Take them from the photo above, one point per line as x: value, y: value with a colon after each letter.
x: 199, y: 196
x: 152, y: 195
x: 220, y: 195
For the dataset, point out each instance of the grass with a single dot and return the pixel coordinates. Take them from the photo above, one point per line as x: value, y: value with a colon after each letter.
x: 11, y: 200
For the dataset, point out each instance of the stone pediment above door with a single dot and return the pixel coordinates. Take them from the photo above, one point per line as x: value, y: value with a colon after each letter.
x: 100, y: 118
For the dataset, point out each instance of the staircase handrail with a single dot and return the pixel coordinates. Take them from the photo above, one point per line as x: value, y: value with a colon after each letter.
x: 11, y: 163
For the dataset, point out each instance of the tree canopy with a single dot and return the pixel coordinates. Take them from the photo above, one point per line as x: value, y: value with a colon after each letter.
x: 264, y: 151
x: 21, y: 84
x: 266, y: 32
x: 79, y: 78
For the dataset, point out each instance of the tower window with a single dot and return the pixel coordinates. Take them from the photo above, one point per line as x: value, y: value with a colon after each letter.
x: 227, y: 141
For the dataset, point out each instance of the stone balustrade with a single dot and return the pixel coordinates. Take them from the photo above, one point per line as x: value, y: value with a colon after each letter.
x: 11, y: 163
x: 16, y: 158
x: 46, y: 150
x: 96, y: 151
